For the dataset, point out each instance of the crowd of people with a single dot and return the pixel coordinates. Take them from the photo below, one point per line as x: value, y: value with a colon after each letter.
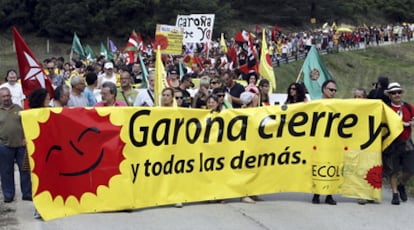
x: 113, y: 83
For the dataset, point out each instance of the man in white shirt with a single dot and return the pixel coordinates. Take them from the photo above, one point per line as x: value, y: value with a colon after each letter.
x: 14, y: 87
x: 146, y: 97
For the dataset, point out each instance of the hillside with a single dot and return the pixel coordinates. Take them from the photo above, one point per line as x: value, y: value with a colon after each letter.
x: 359, y: 68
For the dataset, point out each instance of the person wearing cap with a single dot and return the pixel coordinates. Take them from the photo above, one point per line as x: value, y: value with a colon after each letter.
x: 399, y: 156
x: 108, y: 74
x: 378, y: 91
x: 186, y: 83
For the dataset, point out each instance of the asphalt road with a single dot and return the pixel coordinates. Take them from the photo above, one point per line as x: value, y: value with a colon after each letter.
x: 277, y: 211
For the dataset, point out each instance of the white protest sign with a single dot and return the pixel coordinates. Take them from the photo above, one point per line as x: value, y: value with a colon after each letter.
x: 198, y: 28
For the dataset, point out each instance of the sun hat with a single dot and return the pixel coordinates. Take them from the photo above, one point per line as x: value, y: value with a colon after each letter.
x: 109, y: 65
x: 392, y: 87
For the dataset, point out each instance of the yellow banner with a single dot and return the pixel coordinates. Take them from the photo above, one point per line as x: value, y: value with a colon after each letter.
x: 170, y: 39
x: 102, y: 159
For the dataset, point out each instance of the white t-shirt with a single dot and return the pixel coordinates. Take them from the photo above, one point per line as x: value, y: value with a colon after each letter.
x: 144, y: 98
x: 16, y: 93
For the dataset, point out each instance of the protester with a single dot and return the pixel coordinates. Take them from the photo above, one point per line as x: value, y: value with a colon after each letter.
x: 178, y: 95
x: 174, y: 78
x: 12, y: 149
x: 264, y: 87
x: 146, y: 97
x: 38, y: 98
x: 213, y: 103
x: 399, y: 156
x: 328, y: 92
x: 185, y: 84
x: 77, y: 97
x: 234, y: 88
x: 167, y: 99
x: 53, y: 73
x: 249, y: 100
x: 15, y: 87
x: 136, y: 73
x: 126, y: 92
x: 295, y: 93
x: 108, y: 75
x: 251, y: 83
x: 60, y: 97
x: 108, y: 93
x: 360, y: 93
x: 200, y: 98
x: 378, y: 91
x: 222, y: 94
x: 91, y: 80
x: 217, y: 83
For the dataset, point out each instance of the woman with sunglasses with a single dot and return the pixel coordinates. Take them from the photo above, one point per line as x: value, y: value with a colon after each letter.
x: 295, y: 93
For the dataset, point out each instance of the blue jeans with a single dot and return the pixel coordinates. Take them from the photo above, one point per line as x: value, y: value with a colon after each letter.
x: 8, y: 156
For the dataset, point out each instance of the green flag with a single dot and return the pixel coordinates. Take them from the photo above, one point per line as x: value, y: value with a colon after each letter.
x: 314, y: 73
x: 77, y: 47
x: 144, y: 82
x: 90, y: 55
x: 108, y: 55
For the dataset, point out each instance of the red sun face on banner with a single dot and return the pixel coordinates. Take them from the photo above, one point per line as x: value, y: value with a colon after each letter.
x: 374, y: 177
x: 162, y: 41
x: 80, y: 157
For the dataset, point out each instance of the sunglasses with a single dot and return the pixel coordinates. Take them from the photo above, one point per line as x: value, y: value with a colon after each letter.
x: 179, y: 98
x: 214, y: 82
x: 220, y: 95
x: 332, y: 89
x: 396, y: 92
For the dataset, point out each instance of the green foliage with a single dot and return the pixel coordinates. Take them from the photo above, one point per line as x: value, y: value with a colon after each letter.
x: 58, y: 19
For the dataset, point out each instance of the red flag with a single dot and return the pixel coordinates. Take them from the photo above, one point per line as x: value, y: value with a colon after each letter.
x: 245, y: 40
x: 31, y: 72
x: 151, y: 43
x: 197, y: 61
x: 232, y: 54
x: 257, y: 28
x: 132, y: 47
x: 141, y: 43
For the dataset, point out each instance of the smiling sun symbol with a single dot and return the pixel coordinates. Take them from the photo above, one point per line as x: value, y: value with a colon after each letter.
x: 72, y: 158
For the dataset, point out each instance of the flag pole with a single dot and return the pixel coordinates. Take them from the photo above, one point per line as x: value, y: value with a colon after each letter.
x: 300, y: 73
x: 71, y: 54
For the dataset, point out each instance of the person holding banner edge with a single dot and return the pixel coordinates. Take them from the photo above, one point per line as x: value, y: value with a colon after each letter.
x: 399, y: 156
x: 328, y: 92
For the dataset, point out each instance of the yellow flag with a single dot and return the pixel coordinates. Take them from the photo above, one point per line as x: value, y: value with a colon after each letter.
x: 265, y: 66
x: 223, y: 45
x: 159, y: 78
